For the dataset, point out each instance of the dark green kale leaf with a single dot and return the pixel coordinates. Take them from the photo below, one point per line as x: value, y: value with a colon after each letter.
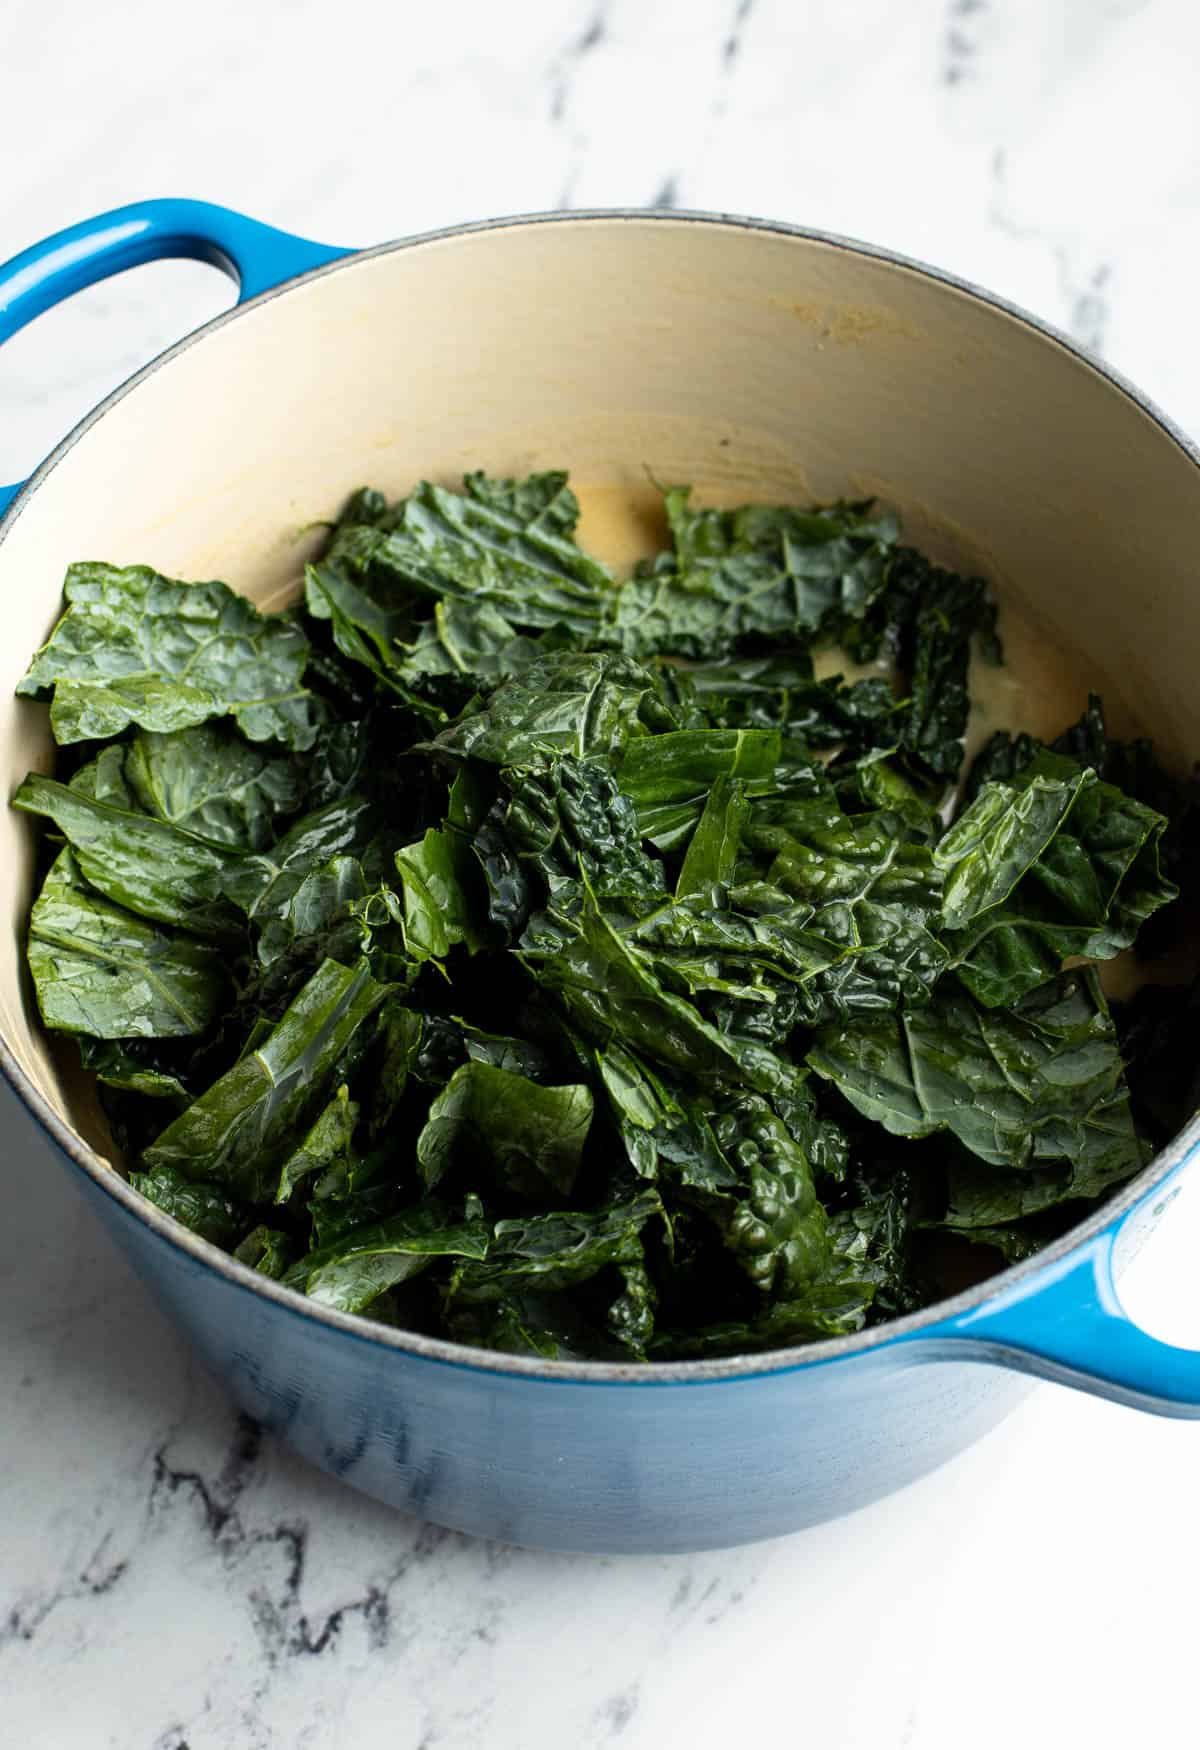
x: 338, y: 762
x: 443, y: 896
x: 344, y: 1201
x: 147, y: 866
x: 813, y: 851
x: 353, y: 1271
x: 104, y: 779
x: 953, y: 613
x: 668, y: 1129
x: 796, y: 963
x: 630, y: 1317
x: 335, y: 913
x: 555, y: 1326
x: 511, y: 545
x: 100, y: 970
x: 683, y: 764
x: 135, y: 647
x: 321, y: 918
x: 611, y: 987
x: 780, y: 691
x: 926, y: 621
x: 872, y: 1239
x: 242, y: 1129
x: 548, y: 831
x: 712, y: 853
x: 837, y: 1309
x: 209, y: 781
x: 572, y: 702
x: 541, y: 503
x: 134, y: 1066
x: 325, y: 1144
x: 841, y: 919
x: 399, y: 1035
x: 208, y: 1210
x: 999, y: 760
x: 758, y: 572
x: 983, y: 1199
x: 436, y: 595
x: 793, y: 779
x: 1051, y: 864
x: 1037, y: 1090
x: 524, y: 1057
x: 874, y: 780
x: 860, y: 1269
x: 1133, y: 768
x: 669, y: 776
x: 264, y: 885
x: 555, y: 1251
x: 466, y: 646
x: 370, y: 634
x: 750, y: 1167
x: 777, y: 1228
x: 266, y: 1250
x: 1160, y: 1041
x: 528, y: 1138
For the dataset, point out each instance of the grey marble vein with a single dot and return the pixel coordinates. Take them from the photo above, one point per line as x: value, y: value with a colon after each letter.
x: 563, y: 71
x: 961, y: 39
x: 1085, y: 284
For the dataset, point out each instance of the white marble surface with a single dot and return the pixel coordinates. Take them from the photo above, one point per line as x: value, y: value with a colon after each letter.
x: 169, y: 1580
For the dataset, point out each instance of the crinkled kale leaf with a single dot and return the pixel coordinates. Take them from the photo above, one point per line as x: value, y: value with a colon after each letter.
x: 134, y: 647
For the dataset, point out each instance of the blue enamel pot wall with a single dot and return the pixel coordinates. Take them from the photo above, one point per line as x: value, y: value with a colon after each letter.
x: 729, y: 351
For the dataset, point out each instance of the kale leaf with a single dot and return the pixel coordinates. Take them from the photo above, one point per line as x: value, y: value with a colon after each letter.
x: 1037, y: 1088
x: 135, y: 647
x: 353, y: 1271
x: 758, y: 572
x: 104, y: 972
x: 148, y: 866
x: 490, y: 1117
x: 207, y: 1209
x: 1052, y: 864
x: 242, y: 1129
x: 209, y: 781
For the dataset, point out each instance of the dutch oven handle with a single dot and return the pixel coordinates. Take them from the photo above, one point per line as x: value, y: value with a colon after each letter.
x: 257, y: 256
x: 1066, y: 1322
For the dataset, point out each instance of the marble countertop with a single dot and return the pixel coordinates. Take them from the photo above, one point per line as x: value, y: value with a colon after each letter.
x: 169, y: 1578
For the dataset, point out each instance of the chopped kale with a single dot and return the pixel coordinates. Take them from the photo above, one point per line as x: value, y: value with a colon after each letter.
x: 561, y: 966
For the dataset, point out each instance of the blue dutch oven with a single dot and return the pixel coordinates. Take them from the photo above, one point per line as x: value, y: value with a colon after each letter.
x: 718, y: 349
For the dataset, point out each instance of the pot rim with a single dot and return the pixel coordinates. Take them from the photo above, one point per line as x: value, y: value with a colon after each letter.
x: 927, y: 1320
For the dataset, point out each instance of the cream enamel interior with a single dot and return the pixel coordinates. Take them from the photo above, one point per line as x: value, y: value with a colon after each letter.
x: 757, y: 362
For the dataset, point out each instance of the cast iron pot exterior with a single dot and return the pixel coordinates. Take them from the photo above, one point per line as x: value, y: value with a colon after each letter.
x: 594, y: 1456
